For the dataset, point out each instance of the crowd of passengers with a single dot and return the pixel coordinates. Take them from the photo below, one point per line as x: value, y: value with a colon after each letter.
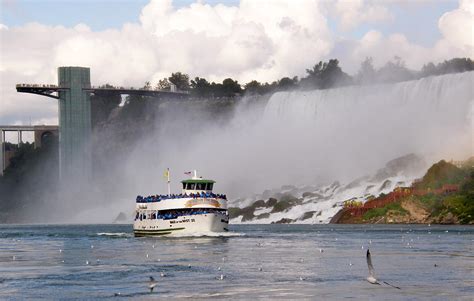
x: 160, y: 197
x: 171, y: 214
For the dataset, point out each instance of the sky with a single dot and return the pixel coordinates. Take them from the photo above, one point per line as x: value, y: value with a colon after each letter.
x: 129, y: 42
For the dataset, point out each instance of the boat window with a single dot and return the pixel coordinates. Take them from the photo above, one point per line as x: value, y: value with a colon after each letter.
x: 184, y: 185
x: 201, y: 186
x: 190, y: 186
x: 209, y: 186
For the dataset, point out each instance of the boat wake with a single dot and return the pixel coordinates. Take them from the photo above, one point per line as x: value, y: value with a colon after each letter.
x: 117, y: 234
x: 209, y: 234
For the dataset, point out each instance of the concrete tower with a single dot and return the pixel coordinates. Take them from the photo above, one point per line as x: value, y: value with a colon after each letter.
x: 74, y: 123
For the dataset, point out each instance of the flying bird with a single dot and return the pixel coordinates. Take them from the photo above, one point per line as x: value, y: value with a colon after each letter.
x: 371, y: 278
x: 152, y: 284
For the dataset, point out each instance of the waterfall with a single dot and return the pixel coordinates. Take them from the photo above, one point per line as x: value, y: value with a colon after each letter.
x: 354, y: 129
x: 304, y: 137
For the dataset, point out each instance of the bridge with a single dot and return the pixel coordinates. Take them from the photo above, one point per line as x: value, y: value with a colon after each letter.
x: 73, y: 93
x: 40, y: 132
x: 52, y: 91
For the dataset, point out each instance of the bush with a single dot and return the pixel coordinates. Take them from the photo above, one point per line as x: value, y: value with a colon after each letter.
x: 376, y: 212
x: 281, y: 206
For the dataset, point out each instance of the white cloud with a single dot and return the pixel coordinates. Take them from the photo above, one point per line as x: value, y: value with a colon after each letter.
x: 354, y: 12
x: 457, y: 26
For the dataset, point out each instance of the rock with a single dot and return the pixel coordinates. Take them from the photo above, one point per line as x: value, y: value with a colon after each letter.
x: 271, y: 202
x: 449, y: 218
x: 259, y: 203
x: 281, y: 206
x: 308, y: 215
x: 263, y: 215
x: 385, y: 185
x: 234, y: 212
x: 283, y: 221
x: 247, y: 213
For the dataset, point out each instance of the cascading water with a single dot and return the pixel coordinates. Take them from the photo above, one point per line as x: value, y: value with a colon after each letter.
x: 304, y: 138
x: 359, y: 128
x: 349, y: 132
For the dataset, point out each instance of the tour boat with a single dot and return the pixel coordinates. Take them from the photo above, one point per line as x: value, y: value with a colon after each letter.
x: 196, y: 210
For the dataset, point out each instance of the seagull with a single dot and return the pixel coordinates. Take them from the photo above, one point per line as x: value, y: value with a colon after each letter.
x: 260, y: 269
x: 321, y: 250
x: 152, y: 284
x: 371, y: 278
x: 87, y: 261
x: 162, y: 274
x: 301, y: 278
x: 222, y: 277
x: 219, y: 268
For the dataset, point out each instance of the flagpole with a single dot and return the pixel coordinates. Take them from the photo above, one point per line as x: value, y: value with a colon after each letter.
x: 169, y: 186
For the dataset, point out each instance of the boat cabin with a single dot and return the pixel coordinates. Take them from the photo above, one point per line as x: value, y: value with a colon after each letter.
x: 197, y: 186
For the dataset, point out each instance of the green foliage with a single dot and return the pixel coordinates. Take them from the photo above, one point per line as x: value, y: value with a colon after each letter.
x: 253, y: 87
x: 281, y: 206
x: 234, y: 212
x: 180, y: 80
x: 367, y: 73
x: 200, y: 87
x: 377, y: 212
x: 439, y: 174
x: 462, y: 205
x: 325, y: 75
x: 452, y: 66
x: 394, y: 71
x: 163, y: 84
x: 102, y: 105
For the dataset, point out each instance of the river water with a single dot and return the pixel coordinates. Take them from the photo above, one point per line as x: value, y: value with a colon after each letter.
x: 285, y: 262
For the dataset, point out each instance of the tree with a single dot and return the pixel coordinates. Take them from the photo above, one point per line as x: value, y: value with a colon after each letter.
x: 180, y: 80
x: 326, y: 75
x: 163, y: 84
x: 147, y: 86
x: 200, y: 87
x: 287, y: 83
x: 253, y: 88
x: 231, y: 87
x: 394, y: 71
x: 367, y: 73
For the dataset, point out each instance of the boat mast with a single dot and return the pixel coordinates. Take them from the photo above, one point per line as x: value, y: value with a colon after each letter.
x: 167, y: 176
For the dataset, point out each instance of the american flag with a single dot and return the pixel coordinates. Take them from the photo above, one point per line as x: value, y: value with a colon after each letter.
x: 188, y: 173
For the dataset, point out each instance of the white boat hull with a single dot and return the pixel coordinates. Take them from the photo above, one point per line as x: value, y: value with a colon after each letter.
x: 182, y: 226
